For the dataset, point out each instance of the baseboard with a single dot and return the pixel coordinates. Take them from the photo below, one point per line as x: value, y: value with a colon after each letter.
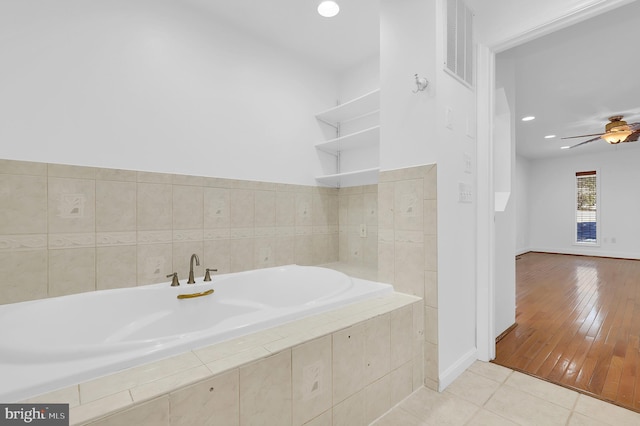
x: 507, y: 331
x: 453, y: 372
x: 578, y: 251
x: 522, y: 251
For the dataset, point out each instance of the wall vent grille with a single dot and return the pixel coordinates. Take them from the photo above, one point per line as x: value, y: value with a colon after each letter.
x: 459, y: 36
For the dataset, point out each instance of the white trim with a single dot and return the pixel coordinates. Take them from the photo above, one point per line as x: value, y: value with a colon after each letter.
x: 450, y: 374
x: 485, y: 88
x: 523, y: 251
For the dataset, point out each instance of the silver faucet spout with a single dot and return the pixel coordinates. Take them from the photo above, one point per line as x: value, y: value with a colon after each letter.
x: 193, y: 256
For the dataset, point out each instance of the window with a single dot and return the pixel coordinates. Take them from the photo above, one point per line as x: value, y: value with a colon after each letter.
x: 586, y: 207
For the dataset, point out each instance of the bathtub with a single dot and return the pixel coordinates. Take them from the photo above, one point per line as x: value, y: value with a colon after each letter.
x: 52, y: 343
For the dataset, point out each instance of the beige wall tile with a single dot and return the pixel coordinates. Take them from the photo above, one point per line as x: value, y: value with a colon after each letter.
x: 303, y: 249
x: 312, y: 379
x: 265, y: 208
x: 431, y: 361
x: 23, y: 204
x: 155, y: 262
x: 377, y: 349
x: 71, y: 205
x: 72, y: 271
x: 216, y: 208
x: 151, y: 177
x: 241, y: 254
x: 264, y: 252
x: 431, y: 288
x: 216, y: 256
x: 386, y: 262
x: 401, y: 336
x: 356, y: 209
x: 408, y: 205
x: 187, y: 207
x: 370, y: 208
x: 348, y: 362
x: 325, y: 248
x: 303, y: 209
x: 431, y: 324
x: 324, y: 419
x: 409, y: 268
x: 325, y: 209
x: 24, y: 275
x: 265, y: 391
x: 377, y: 399
x: 370, y: 249
x: 188, y: 180
x: 430, y: 217
x: 117, y: 175
x: 82, y: 414
x: 115, y: 206
x: 154, y: 206
x: 116, y: 267
x: 213, y: 402
x: 154, y: 412
x: 69, y: 171
x: 431, y: 183
x: 430, y: 252
x: 242, y: 208
x: 285, y: 250
x: 14, y: 167
x: 285, y: 209
x: 350, y: 412
x: 386, y: 205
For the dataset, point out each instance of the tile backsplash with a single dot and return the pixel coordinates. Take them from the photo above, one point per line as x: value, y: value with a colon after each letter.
x: 69, y: 229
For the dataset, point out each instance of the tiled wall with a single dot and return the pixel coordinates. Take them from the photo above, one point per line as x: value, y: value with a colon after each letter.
x: 70, y: 229
x: 358, y: 206
x: 407, y: 249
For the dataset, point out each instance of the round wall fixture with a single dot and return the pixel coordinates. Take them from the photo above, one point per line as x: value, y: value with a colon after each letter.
x: 328, y: 8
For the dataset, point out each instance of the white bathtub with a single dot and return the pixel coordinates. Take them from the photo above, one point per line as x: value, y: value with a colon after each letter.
x: 52, y: 343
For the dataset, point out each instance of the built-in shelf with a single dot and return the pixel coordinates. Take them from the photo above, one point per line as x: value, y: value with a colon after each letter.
x: 358, y: 107
x: 368, y: 138
x: 363, y: 138
x: 355, y: 178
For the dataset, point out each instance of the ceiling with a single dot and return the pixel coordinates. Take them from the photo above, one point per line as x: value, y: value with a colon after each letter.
x: 571, y: 80
x: 333, y: 43
x: 574, y: 79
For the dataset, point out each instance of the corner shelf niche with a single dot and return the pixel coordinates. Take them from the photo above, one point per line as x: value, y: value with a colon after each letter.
x: 368, y: 138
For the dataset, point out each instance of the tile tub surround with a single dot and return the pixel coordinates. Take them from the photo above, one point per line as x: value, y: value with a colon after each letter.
x: 344, y: 367
x: 70, y: 229
x: 407, y: 247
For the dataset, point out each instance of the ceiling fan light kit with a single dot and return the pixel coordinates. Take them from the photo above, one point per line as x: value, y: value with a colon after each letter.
x: 616, y: 131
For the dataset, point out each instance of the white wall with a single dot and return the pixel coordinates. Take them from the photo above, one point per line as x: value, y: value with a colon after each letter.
x: 523, y: 209
x: 414, y: 132
x: 158, y: 86
x: 552, y: 203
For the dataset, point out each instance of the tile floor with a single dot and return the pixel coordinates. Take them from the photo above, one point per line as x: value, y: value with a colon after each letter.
x: 491, y: 395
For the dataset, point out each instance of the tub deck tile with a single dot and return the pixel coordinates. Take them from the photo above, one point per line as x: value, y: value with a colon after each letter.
x: 126, y: 379
x: 99, y: 408
x: 170, y: 383
x: 217, y: 351
x: 235, y: 361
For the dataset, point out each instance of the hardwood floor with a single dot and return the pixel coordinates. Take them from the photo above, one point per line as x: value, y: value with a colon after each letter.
x: 578, y: 324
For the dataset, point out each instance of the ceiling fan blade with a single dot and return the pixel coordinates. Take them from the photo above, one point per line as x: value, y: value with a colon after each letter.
x: 633, y: 137
x: 583, y: 136
x: 582, y: 143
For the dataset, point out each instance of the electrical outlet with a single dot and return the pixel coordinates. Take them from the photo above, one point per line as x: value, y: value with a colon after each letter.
x: 363, y: 230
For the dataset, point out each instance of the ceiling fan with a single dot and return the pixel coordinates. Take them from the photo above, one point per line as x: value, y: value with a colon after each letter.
x: 617, y: 130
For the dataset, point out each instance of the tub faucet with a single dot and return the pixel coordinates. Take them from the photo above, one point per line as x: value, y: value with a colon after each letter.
x: 193, y: 256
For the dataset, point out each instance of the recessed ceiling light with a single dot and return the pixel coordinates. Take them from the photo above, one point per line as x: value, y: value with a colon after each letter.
x: 550, y: 136
x: 528, y: 118
x: 565, y: 147
x: 328, y: 8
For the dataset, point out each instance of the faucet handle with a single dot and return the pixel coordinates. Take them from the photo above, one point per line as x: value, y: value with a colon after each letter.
x: 174, y: 281
x: 207, y: 276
